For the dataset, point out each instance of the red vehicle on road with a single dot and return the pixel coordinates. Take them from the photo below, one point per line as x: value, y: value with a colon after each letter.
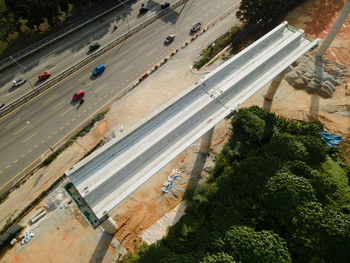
x: 44, y: 75
x: 78, y: 95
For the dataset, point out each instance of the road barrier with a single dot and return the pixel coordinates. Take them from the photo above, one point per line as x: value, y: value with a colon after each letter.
x: 31, y: 94
x: 54, y: 37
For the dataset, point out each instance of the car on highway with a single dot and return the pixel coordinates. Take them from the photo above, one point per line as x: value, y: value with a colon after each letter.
x: 78, y: 95
x: 94, y: 46
x: 169, y: 39
x: 143, y: 9
x: 18, y: 82
x: 164, y: 5
x: 98, y: 70
x: 196, y: 27
x: 44, y: 75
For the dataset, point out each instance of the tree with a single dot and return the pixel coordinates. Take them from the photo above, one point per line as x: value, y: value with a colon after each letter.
x: 287, y: 147
x: 246, y: 245
x: 335, y: 239
x: 220, y: 257
x: 251, y: 11
x: 283, y: 194
x: 8, y: 25
x: 249, y: 132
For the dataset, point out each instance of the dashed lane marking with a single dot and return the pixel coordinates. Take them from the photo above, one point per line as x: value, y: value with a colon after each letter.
x: 127, y: 69
x: 29, y: 137
x: 64, y: 113
x: 120, y: 62
x: 20, y: 130
x: 54, y: 107
x: 104, y: 85
x: 50, y: 98
x: 11, y: 123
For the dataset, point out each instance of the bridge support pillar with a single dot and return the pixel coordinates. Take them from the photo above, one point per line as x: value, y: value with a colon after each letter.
x: 206, y: 140
x: 109, y: 226
x: 276, y: 82
x: 335, y: 28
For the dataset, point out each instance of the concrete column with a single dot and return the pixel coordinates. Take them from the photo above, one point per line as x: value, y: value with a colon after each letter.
x: 274, y: 85
x: 206, y: 140
x: 335, y: 28
x: 109, y: 226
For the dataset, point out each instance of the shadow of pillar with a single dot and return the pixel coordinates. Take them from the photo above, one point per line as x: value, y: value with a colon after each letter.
x: 201, y: 157
x: 314, y: 107
x: 276, y: 82
x: 315, y: 100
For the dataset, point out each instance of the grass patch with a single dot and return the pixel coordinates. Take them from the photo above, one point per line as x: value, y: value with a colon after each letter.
x: 213, y: 49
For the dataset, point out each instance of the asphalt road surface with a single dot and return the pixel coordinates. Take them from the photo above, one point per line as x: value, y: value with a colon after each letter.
x: 72, y: 48
x: 42, y: 123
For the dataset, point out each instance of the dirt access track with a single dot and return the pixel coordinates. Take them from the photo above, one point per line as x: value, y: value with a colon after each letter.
x: 64, y: 236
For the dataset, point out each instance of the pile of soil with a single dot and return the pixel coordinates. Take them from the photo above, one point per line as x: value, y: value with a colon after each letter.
x: 317, y: 75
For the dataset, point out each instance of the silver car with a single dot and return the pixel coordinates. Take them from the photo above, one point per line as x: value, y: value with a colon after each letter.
x: 18, y: 82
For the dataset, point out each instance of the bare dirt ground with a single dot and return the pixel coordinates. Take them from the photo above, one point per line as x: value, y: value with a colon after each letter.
x: 64, y: 236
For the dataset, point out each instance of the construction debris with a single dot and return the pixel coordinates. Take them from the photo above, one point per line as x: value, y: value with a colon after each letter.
x: 169, y: 183
x: 27, y: 236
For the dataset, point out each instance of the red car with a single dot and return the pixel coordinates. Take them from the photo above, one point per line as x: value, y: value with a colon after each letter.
x: 44, y: 75
x: 78, y: 95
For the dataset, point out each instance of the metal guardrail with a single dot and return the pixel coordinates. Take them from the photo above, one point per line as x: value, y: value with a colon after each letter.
x: 20, y: 101
x: 44, y: 42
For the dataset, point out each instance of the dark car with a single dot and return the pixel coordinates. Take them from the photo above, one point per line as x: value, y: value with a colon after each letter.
x: 78, y: 95
x: 143, y: 10
x: 18, y: 82
x: 94, y: 46
x: 164, y: 5
x: 196, y: 27
x: 169, y: 39
x: 44, y: 75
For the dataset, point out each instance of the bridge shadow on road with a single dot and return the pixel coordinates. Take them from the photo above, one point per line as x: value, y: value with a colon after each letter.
x: 101, y: 248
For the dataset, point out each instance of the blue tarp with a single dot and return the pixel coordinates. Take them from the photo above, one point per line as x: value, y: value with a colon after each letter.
x: 330, y: 139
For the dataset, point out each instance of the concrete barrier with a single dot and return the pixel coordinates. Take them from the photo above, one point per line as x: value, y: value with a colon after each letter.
x: 31, y: 94
x: 54, y: 37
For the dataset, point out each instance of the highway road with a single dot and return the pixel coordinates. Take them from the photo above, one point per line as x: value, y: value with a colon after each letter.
x: 42, y: 123
x: 72, y: 48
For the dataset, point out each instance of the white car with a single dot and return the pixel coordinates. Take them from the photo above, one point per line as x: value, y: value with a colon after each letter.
x: 18, y: 82
x: 169, y: 39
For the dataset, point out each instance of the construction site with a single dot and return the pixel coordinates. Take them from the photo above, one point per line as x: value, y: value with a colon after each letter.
x: 58, y: 227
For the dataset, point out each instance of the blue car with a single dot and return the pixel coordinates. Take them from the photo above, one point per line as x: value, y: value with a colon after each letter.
x: 99, y: 69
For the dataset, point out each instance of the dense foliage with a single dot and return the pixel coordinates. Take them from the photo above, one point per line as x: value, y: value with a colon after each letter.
x: 252, y: 11
x: 277, y: 194
x: 32, y: 13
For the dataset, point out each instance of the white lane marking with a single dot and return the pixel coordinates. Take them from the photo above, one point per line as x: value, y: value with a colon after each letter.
x: 152, y: 13
x: 78, y: 53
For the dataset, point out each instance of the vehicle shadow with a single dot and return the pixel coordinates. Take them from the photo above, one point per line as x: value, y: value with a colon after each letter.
x: 93, y: 77
x: 13, y: 88
x: 39, y: 82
